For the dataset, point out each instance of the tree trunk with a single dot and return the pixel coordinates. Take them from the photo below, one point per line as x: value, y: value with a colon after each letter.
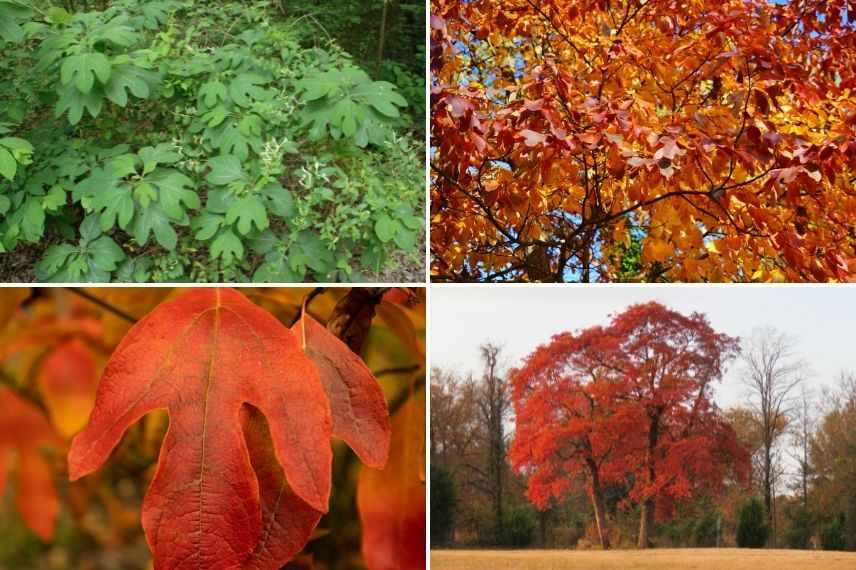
x: 768, y: 492
x: 646, y: 516
x: 382, y: 38
x: 646, y: 523
x: 599, y: 509
x: 542, y: 527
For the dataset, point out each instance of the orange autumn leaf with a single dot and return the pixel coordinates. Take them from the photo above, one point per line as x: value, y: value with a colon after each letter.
x: 289, y: 521
x: 24, y: 434
x: 392, y: 501
x: 45, y: 331
x: 67, y: 380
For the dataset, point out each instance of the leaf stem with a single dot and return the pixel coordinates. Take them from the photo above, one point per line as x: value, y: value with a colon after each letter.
x: 303, y: 306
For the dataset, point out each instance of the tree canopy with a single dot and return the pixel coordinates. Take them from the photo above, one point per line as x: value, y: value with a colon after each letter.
x: 643, y: 140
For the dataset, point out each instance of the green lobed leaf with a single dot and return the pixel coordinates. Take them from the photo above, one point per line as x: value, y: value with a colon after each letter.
x: 153, y: 220
x: 206, y: 225
x: 82, y: 69
x: 279, y: 201
x: 247, y: 211
x: 211, y: 93
x: 106, y: 254
x: 174, y: 189
x: 129, y: 78
x: 228, y: 247
x: 75, y: 103
x: 114, y: 205
x: 163, y: 153
x: 53, y: 260
x: 247, y: 87
x: 225, y: 168
x: 33, y: 220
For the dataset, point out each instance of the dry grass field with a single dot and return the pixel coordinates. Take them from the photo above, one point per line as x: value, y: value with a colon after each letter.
x: 656, y: 559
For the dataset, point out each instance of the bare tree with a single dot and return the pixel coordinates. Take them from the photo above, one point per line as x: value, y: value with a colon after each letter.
x: 454, y: 427
x: 801, y: 434
x: 494, y: 407
x: 772, y: 372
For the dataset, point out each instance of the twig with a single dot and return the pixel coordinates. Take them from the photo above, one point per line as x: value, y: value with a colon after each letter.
x: 398, y: 370
x: 103, y: 304
x: 406, y: 395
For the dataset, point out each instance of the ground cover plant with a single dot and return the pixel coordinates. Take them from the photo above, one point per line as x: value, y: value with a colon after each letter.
x: 260, y: 428
x: 172, y: 140
x: 643, y: 140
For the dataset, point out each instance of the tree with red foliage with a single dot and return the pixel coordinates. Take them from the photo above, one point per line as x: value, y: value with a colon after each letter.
x: 628, y: 403
x: 668, y: 361
x: 568, y: 423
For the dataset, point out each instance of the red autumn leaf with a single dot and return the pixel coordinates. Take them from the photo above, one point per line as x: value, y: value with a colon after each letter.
x: 360, y: 415
x: 761, y: 102
x: 24, y: 431
x: 669, y: 149
x: 203, y: 357
x: 392, y: 502
x: 67, y: 380
x: 531, y: 138
x: 287, y: 521
x: 591, y: 139
x: 459, y: 106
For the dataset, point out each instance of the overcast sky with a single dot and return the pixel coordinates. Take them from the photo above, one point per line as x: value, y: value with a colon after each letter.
x: 822, y: 319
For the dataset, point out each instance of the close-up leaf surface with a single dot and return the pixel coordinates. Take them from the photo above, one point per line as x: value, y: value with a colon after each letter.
x: 360, y: 416
x: 202, y: 357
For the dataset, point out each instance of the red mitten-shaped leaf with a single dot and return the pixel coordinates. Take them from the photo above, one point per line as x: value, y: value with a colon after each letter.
x: 392, y: 502
x: 25, y: 431
x: 67, y: 380
x: 202, y: 357
x: 287, y: 521
x: 360, y: 415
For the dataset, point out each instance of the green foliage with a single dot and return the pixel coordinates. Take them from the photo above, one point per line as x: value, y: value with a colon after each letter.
x: 347, y: 103
x: 752, y: 529
x: 698, y: 530
x: 798, y: 534
x: 832, y: 534
x: 518, y: 528
x: 12, y: 13
x: 442, y: 506
x: 94, y: 258
x: 411, y: 85
x: 13, y: 151
x: 206, y: 141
